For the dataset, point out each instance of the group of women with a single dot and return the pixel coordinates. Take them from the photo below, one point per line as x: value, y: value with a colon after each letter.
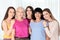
x: 29, y: 24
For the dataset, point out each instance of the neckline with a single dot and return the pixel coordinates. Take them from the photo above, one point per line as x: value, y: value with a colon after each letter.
x: 38, y: 22
x: 19, y: 20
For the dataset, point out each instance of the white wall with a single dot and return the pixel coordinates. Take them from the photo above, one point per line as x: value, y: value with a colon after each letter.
x: 4, y: 4
x: 52, y: 4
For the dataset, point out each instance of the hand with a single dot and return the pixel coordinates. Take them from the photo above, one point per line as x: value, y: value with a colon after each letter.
x: 44, y: 23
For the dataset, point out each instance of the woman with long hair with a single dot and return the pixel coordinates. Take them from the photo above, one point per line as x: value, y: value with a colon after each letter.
x: 29, y: 12
x: 52, y: 29
x: 6, y: 24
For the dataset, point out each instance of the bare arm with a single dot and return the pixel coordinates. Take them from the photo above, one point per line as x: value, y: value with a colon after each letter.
x: 30, y: 30
x: 4, y: 26
x: 13, y: 30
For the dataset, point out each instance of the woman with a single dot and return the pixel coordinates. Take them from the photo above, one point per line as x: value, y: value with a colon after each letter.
x: 52, y: 31
x: 20, y: 25
x: 36, y: 26
x: 29, y: 12
x: 6, y: 24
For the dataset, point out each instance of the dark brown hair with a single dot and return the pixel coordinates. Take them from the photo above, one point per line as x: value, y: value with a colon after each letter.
x: 37, y: 10
x: 48, y: 10
x: 27, y: 8
x: 6, y: 15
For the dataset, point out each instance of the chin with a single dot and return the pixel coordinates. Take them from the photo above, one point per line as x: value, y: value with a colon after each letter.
x: 46, y: 18
x: 37, y: 18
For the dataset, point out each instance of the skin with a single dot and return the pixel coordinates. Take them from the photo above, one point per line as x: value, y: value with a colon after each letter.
x: 29, y: 13
x: 47, y: 17
x: 20, y: 12
x: 37, y: 16
x: 8, y: 20
x: 19, y: 16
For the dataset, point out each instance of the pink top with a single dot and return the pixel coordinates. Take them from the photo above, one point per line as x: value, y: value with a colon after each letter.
x: 21, y: 28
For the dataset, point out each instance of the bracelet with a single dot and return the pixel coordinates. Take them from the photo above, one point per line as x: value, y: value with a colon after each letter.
x: 45, y: 27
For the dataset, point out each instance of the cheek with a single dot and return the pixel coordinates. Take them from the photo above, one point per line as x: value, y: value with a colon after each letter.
x: 18, y: 14
x: 37, y: 15
x: 13, y: 14
x: 22, y: 14
x: 40, y: 15
x: 46, y: 16
x: 29, y: 12
x: 10, y: 14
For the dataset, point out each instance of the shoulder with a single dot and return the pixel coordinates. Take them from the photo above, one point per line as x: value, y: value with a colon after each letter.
x: 13, y: 20
x: 32, y: 20
x: 55, y: 22
x: 44, y: 21
x: 4, y: 22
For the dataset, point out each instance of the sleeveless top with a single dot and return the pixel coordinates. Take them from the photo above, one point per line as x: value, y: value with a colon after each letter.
x: 38, y: 32
x: 5, y: 35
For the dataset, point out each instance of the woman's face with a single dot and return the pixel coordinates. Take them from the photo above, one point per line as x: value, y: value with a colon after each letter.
x: 20, y: 12
x: 46, y: 15
x: 11, y: 13
x: 29, y: 12
x: 37, y: 15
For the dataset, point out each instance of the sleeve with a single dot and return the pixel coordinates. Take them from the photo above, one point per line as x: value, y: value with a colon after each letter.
x: 54, y: 28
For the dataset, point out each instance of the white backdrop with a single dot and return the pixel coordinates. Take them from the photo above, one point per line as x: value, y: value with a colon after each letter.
x: 52, y: 4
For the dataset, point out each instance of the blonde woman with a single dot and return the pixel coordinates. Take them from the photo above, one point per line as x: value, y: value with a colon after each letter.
x: 20, y: 25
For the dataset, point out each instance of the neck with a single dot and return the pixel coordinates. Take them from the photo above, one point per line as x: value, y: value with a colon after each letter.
x: 37, y: 20
x: 50, y: 19
x: 29, y: 17
x: 8, y: 20
x: 19, y: 18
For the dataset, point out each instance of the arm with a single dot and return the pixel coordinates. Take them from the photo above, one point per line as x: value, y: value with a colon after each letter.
x: 47, y: 38
x: 13, y: 30
x: 4, y: 26
x: 50, y: 33
x: 30, y: 31
x: 13, y: 34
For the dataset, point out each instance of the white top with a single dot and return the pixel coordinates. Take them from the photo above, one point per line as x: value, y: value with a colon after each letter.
x: 52, y: 32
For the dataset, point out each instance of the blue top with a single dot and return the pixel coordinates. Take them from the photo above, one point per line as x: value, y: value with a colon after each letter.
x: 38, y: 32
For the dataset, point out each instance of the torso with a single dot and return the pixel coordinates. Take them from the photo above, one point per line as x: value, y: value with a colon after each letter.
x: 21, y: 28
x: 8, y: 27
x: 55, y: 33
x: 38, y: 32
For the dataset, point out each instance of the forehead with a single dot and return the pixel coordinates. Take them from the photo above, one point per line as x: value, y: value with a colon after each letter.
x: 38, y: 13
x: 28, y: 8
x: 20, y: 9
x: 45, y: 12
x: 11, y: 9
